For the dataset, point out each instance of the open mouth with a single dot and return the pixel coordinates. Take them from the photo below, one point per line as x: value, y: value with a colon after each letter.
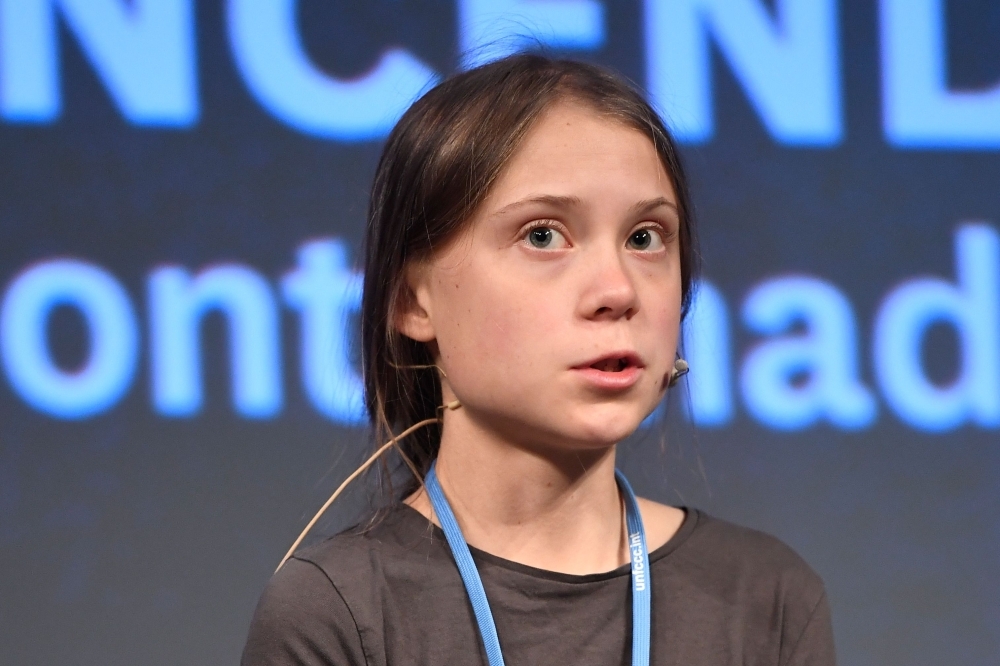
x: 618, y: 371
x: 611, y: 364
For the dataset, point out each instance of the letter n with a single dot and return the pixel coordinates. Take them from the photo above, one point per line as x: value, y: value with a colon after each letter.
x: 178, y: 302
x: 142, y: 50
x: 788, y: 66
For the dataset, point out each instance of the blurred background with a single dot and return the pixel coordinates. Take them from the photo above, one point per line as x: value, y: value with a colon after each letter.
x: 182, y: 195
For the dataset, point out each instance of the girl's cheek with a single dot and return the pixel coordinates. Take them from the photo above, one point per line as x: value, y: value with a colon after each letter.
x: 513, y: 330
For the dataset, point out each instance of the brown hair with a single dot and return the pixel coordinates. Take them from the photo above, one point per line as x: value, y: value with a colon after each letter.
x: 437, y: 167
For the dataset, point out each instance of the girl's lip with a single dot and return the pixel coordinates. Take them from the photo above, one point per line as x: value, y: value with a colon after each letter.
x: 603, y: 372
x: 610, y: 381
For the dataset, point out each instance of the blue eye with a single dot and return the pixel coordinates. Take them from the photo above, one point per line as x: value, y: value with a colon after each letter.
x: 540, y: 237
x: 546, y: 238
x: 645, y: 239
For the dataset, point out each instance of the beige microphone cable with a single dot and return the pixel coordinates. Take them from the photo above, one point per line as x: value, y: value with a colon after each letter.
x: 454, y: 404
x: 679, y: 370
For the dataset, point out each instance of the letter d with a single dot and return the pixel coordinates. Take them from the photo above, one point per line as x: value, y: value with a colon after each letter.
x: 973, y: 308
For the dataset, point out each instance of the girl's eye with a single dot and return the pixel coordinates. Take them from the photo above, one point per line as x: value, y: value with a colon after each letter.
x: 546, y: 238
x: 645, y: 239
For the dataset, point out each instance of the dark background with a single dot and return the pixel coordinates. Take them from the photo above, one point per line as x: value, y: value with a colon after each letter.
x: 128, y: 537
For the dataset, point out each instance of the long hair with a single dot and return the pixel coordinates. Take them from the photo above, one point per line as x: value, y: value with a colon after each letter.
x: 437, y: 167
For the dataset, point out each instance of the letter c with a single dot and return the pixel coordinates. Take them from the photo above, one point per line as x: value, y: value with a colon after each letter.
x: 266, y: 45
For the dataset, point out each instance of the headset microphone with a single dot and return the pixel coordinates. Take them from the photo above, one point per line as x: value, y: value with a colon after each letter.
x: 680, y: 369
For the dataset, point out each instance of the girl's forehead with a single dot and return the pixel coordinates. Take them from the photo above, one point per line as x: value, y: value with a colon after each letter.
x: 573, y: 149
x: 573, y: 124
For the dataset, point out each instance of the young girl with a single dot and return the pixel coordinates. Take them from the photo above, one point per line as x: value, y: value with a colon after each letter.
x: 530, y: 256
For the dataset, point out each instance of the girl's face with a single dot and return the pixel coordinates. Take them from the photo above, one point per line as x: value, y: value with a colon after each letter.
x: 555, y: 314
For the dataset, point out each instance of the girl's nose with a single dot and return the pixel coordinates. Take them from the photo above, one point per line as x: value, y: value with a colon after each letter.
x: 609, y: 292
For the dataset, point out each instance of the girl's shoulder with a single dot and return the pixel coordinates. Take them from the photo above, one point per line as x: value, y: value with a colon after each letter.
x: 740, y: 566
x: 731, y: 547
x: 314, y: 608
x: 397, y: 549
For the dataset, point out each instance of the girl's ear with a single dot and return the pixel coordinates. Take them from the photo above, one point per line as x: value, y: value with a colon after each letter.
x: 412, y: 316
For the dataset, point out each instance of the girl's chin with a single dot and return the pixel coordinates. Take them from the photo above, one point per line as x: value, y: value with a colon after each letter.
x: 577, y: 425
x: 605, y: 427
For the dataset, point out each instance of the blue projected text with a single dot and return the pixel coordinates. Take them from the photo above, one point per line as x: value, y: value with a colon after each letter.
x: 787, y: 59
x: 805, y: 368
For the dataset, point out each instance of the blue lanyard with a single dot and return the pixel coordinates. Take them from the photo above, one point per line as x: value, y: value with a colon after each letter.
x: 477, y: 595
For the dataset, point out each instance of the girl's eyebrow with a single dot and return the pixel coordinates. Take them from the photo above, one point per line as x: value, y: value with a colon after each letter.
x: 647, y: 205
x: 548, y: 199
x: 638, y: 208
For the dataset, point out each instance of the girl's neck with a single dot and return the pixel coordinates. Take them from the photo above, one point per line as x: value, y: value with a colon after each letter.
x: 549, y: 509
